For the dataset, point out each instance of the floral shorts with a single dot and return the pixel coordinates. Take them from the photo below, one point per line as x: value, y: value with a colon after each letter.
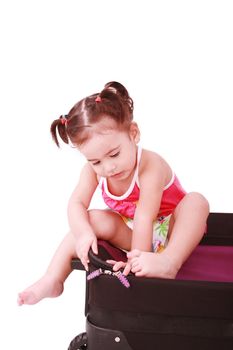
x: 160, y: 231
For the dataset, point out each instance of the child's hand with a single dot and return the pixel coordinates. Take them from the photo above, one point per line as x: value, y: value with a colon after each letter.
x: 117, y: 265
x: 83, y: 245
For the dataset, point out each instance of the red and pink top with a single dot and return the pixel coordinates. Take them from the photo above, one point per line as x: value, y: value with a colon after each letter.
x: 126, y: 204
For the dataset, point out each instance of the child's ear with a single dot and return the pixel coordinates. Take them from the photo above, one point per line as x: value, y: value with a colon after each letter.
x: 134, y: 132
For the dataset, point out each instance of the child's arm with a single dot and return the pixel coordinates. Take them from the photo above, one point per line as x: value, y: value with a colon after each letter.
x: 152, y: 178
x: 153, y: 174
x: 78, y: 214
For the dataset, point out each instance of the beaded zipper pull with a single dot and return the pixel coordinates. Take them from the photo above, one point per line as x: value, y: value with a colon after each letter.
x: 122, y: 278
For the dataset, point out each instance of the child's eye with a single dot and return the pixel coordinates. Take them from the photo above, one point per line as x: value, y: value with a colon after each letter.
x: 115, y: 155
x: 96, y: 163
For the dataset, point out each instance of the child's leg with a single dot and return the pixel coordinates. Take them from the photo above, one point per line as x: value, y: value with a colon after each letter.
x: 189, y: 226
x: 51, y: 284
x: 110, y: 226
x: 190, y: 219
x: 106, y: 225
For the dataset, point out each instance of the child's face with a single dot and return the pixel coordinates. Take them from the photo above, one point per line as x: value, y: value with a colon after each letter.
x: 113, y: 152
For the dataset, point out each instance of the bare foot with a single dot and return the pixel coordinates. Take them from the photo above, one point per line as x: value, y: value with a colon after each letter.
x: 151, y: 264
x: 46, y: 287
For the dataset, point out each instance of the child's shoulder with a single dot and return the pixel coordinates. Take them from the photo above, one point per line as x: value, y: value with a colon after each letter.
x: 152, y: 162
x: 151, y: 157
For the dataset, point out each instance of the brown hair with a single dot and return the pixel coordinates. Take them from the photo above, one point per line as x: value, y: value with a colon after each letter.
x: 112, y: 102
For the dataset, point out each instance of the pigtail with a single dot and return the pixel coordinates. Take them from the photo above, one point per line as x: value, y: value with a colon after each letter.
x: 58, y: 127
x: 117, y: 88
x: 121, y: 91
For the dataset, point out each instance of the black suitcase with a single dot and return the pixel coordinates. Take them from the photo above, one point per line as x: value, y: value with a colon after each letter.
x: 194, y: 311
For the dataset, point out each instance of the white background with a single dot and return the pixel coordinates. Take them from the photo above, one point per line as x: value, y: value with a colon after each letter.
x: 175, y: 58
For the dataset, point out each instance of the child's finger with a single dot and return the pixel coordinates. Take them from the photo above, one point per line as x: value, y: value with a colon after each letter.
x: 118, y: 265
x: 85, y: 264
x: 84, y: 260
x: 127, y: 269
x: 111, y: 262
x: 94, y: 247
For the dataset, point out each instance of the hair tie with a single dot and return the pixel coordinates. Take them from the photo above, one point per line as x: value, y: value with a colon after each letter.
x: 98, y: 99
x: 63, y: 119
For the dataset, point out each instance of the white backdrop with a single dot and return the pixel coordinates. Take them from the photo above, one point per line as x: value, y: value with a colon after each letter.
x: 175, y: 58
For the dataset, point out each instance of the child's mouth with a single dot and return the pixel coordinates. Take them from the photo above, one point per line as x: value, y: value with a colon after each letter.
x: 117, y: 175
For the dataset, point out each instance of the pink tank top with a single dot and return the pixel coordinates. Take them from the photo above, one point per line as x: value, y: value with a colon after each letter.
x: 127, y: 203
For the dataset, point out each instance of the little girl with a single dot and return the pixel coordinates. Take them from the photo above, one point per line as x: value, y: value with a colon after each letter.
x: 149, y: 214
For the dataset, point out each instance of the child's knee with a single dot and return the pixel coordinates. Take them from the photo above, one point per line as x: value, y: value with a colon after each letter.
x: 200, y: 202
x: 102, y: 223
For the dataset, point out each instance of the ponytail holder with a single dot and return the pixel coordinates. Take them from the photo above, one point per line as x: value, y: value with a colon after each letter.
x: 63, y: 119
x: 98, y: 99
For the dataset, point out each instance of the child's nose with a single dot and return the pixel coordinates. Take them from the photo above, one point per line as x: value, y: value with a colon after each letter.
x: 110, y: 168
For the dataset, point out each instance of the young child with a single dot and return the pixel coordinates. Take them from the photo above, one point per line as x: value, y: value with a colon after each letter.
x: 150, y: 215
